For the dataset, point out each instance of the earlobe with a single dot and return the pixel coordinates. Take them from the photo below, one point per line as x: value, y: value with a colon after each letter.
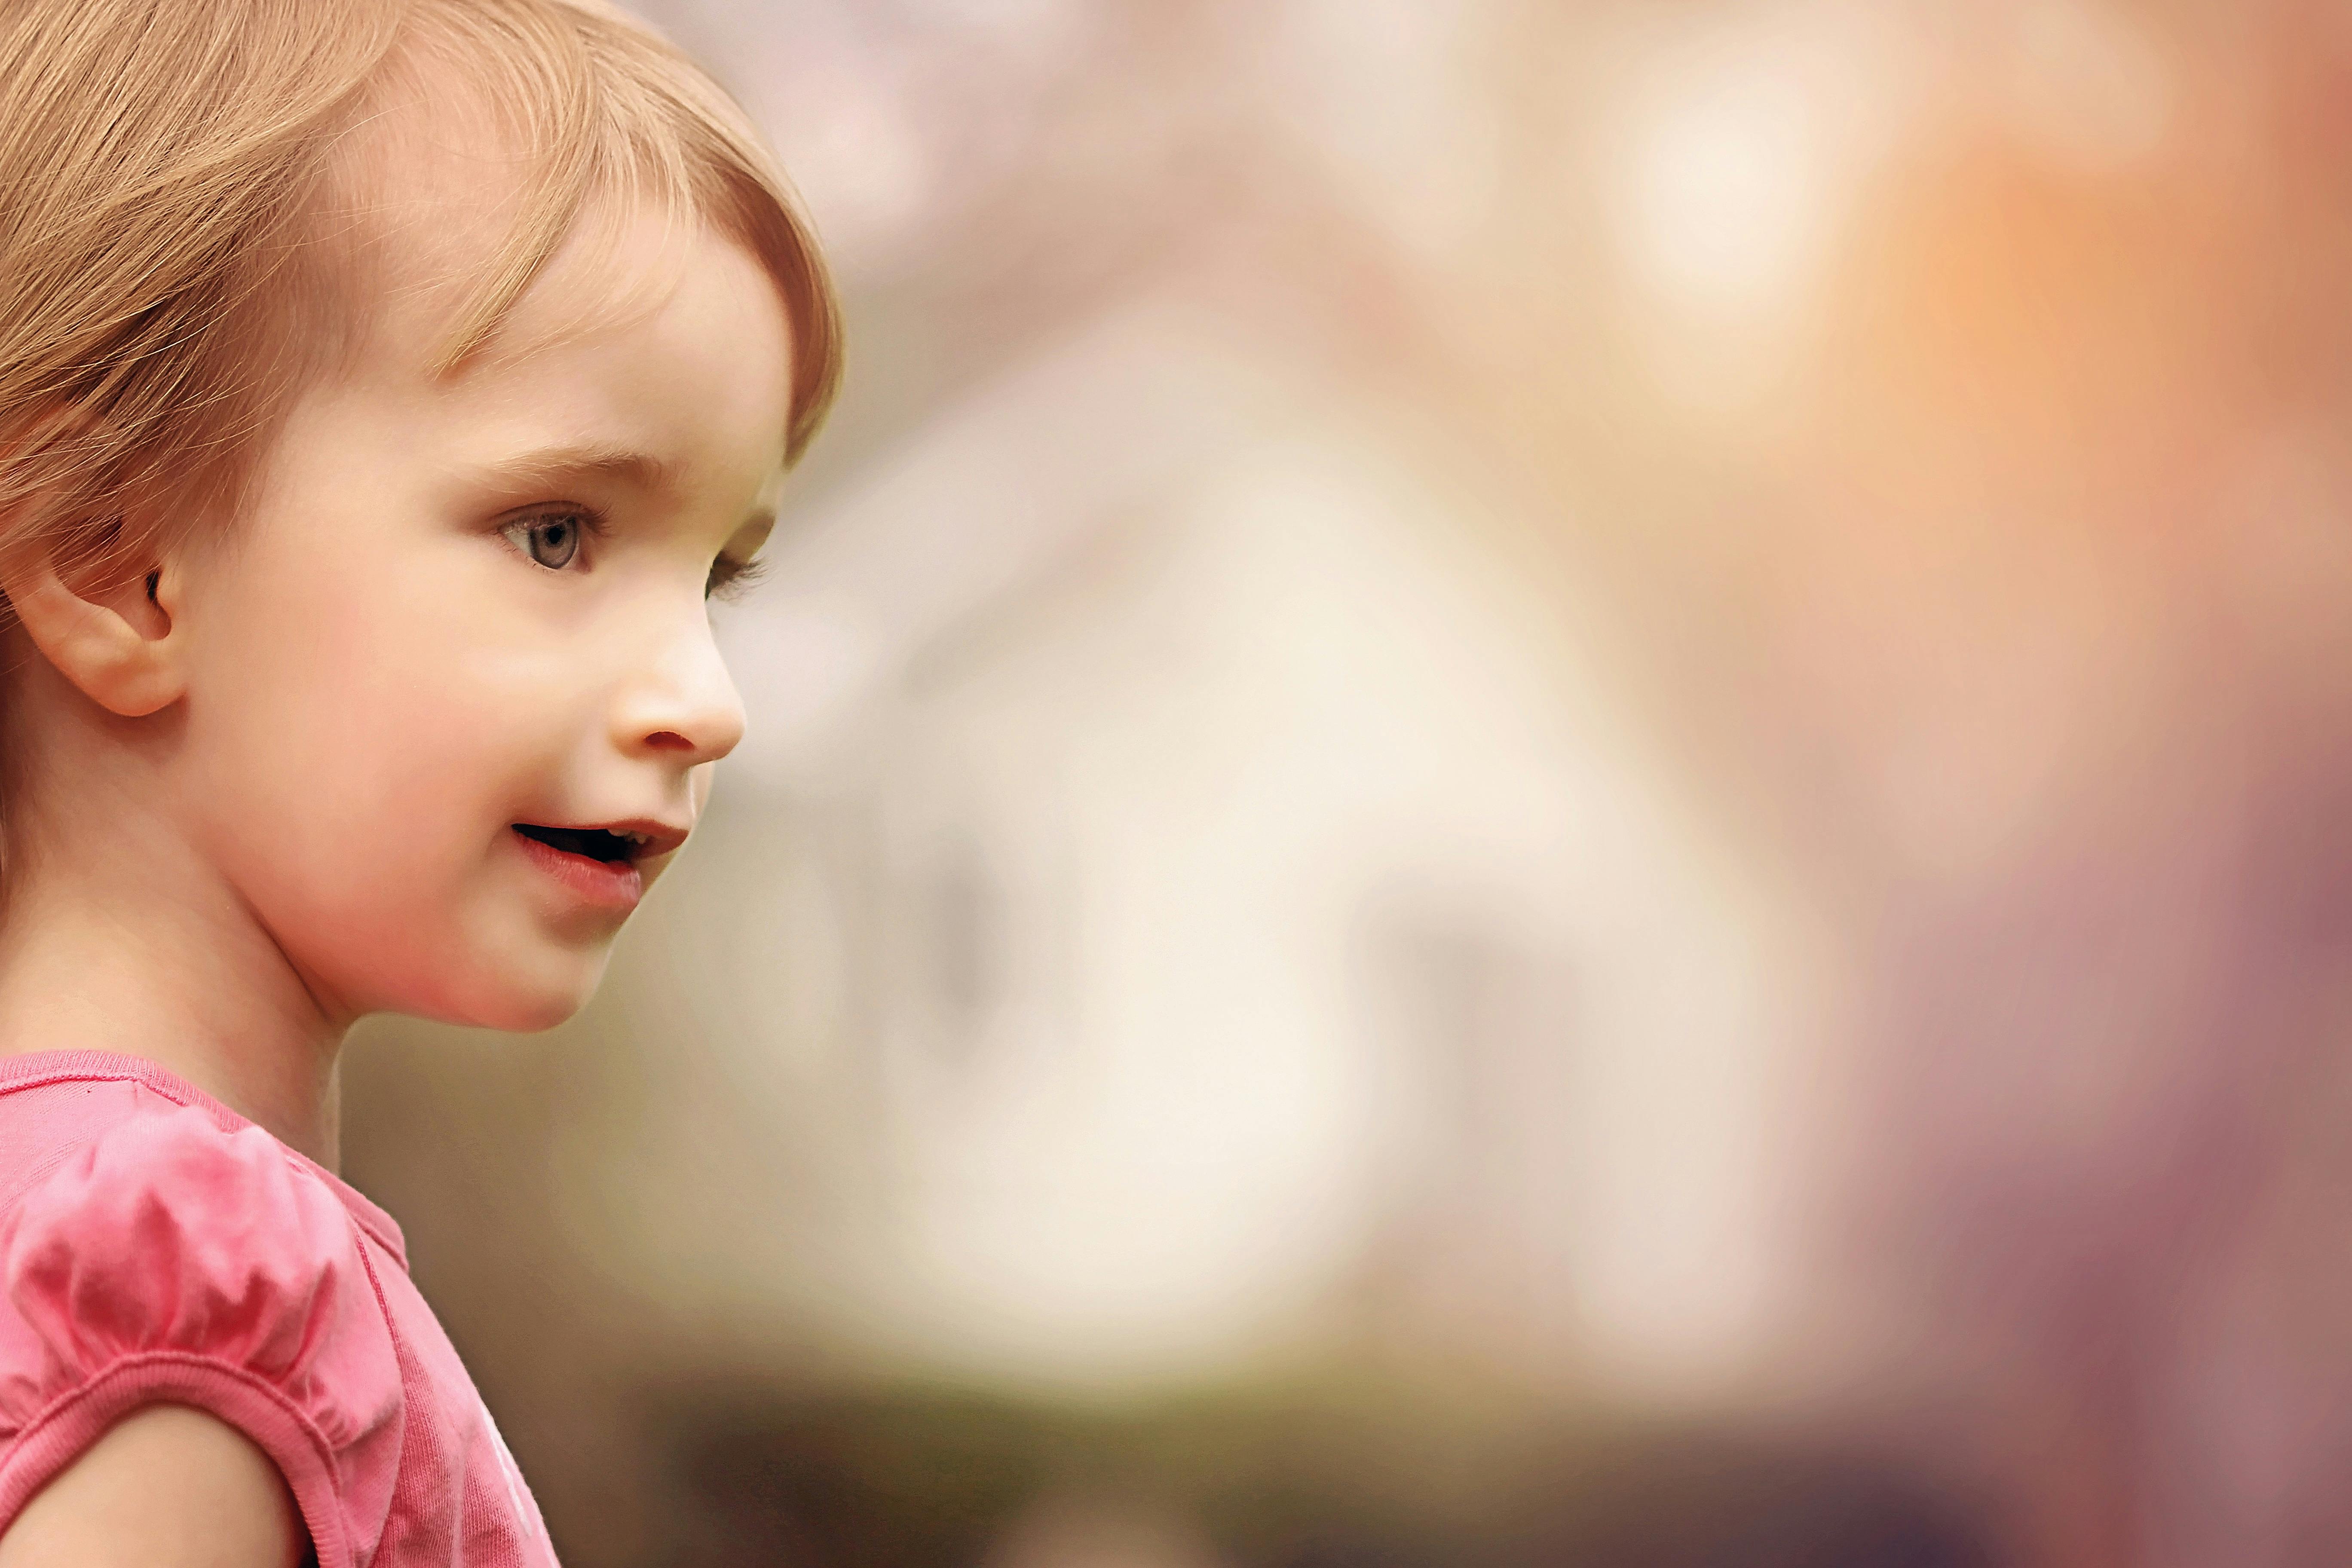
x: 121, y: 655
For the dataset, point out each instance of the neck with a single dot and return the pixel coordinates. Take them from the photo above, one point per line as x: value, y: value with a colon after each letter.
x: 117, y: 933
x: 113, y: 950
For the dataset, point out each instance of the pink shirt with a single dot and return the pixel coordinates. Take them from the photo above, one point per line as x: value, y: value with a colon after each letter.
x: 157, y: 1246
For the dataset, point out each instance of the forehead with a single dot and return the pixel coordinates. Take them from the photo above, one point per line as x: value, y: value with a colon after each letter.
x: 650, y: 348
x: 431, y: 197
x: 467, y: 168
x: 425, y: 223
x: 643, y: 330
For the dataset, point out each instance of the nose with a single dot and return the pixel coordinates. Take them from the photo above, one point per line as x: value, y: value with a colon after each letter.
x: 681, y: 704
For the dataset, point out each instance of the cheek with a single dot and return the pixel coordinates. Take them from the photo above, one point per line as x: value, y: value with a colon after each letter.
x: 355, y: 748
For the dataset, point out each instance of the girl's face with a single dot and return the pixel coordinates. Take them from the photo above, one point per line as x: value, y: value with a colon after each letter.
x: 465, y: 626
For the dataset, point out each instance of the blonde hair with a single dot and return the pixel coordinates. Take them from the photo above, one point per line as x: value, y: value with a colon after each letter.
x: 169, y: 171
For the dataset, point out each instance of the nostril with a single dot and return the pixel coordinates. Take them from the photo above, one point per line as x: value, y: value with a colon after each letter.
x: 669, y: 740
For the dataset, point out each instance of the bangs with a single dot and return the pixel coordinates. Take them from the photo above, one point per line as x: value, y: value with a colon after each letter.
x: 599, y: 120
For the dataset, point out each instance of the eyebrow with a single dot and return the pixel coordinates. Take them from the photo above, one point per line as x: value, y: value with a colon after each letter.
x: 589, y: 460
x: 594, y: 459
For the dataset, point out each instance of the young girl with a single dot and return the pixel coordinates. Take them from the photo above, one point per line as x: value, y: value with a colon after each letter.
x: 385, y: 384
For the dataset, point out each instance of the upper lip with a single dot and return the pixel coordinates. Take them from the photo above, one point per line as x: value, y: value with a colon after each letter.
x: 654, y: 835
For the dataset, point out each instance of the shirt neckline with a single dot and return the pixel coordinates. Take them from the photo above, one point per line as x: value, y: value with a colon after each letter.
x: 35, y: 1067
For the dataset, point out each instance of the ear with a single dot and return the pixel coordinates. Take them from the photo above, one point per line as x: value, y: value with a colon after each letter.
x: 115, y: 643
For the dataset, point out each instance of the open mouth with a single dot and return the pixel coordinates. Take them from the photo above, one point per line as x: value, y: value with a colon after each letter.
x: 592, y: 843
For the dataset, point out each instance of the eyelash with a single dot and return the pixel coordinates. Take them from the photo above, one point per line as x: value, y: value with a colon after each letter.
x: 730, y: 579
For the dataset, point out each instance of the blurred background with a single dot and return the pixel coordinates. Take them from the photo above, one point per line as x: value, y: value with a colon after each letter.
x: 1531, y: 782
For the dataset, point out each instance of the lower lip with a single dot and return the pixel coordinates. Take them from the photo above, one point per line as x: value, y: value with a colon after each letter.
x: 613, y: 885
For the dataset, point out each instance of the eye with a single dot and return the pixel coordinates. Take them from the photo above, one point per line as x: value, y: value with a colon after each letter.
x: 551, y: 539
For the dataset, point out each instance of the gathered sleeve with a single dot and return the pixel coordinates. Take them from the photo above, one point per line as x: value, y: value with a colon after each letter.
x: 170, y: 1261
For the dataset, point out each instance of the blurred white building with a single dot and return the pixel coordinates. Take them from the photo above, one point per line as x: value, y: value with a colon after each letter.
x: 1184, y: 900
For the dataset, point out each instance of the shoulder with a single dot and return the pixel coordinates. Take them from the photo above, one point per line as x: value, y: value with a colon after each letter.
x: 167, y: 1231
x: 167, y: 1258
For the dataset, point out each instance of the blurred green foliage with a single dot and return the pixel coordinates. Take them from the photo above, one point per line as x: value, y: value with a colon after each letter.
x: 1326, y: 1471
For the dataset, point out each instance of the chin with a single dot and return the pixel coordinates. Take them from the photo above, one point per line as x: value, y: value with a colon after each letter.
x: 530, y: 1016
x: 528, y: 995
